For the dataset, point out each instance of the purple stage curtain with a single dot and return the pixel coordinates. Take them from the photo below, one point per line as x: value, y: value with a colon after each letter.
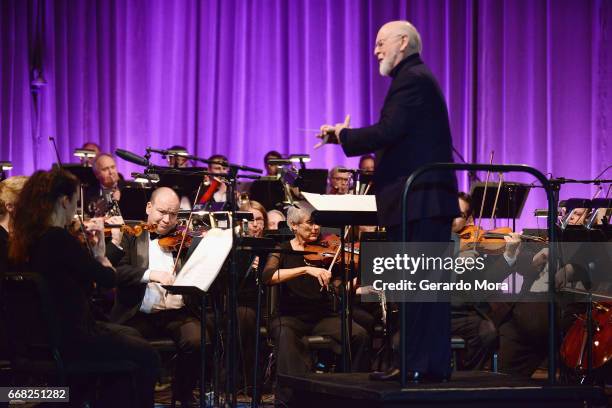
x: 527, y: 79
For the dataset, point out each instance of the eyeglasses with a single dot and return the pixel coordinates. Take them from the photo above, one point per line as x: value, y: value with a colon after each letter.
x: 342, y: 179
x: 381, y: 42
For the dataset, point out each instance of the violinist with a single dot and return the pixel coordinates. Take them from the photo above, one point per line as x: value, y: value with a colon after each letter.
x: 524, y: 335
x: 41, y: 244
x: 475, y: 321
x: 141, y: 301
x: 305, y: 304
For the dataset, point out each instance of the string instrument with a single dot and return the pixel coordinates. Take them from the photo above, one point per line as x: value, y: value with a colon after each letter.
x: 134, y: 230
x: 327, y: 251
x: 490, y: 242
x: 574, y: 349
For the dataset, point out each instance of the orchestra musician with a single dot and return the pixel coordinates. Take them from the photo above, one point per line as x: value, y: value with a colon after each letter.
x: 366, y: 163
x: 274, y: 217
x: 218, y: 166
x: 88, y: 161
x: 247, y: 294
x: 40, y: 243
x: 9, y: 192
x: 177, y: 161
x: 413, y: 130
x: 305, y: 304
x: 523, y: 336
x: 109, y: 190
x: 141, y: 302
x: 477, y: 321
x: 271, y: 169
x: 339, y: 182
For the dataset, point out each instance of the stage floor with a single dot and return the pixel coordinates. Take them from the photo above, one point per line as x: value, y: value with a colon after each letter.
x: 466, y: 389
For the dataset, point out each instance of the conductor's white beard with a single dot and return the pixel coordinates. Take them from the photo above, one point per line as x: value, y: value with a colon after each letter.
x: 386, y: 65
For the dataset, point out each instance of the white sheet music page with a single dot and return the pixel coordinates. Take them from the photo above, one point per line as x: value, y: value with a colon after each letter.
x: 206, y: 261
x: 341, y: 202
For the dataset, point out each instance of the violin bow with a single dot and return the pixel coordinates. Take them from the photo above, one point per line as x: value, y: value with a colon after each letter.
x: 484, y: 197
x: 499, y: 184
x: 178, y: 254
x: 79, y: 216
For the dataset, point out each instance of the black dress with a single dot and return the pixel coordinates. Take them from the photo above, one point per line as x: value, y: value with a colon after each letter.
x: 301, y: 297
x: 305, y: 310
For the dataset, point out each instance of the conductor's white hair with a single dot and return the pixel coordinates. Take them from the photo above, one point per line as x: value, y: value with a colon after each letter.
x: 414, y: 38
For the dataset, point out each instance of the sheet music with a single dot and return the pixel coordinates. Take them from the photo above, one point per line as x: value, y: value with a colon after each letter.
x: 206, y: 261
x: 339, y: 202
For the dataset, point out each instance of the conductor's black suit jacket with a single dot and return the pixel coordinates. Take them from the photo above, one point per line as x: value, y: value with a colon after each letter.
x: 413, y: 130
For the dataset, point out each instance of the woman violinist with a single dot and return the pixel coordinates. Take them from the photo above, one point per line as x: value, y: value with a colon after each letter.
x: 41, y: 244
x: 305, y: 306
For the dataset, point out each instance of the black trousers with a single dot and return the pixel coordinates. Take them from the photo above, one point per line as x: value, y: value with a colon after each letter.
x: 292, y: 357
x: 523, y: 339
x: 246, y: 333
x: 184, y: 328
x: 428, y: 323
x: 120, y: 343
x: 480, y: 335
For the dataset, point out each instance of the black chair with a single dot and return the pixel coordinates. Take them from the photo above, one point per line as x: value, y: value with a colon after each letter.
x: 323, y: 345
x: 29, y: 318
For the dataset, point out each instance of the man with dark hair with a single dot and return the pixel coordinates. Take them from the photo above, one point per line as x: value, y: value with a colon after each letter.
x: 176, y: 159
x: 271, y: 169
x: 216, y: 189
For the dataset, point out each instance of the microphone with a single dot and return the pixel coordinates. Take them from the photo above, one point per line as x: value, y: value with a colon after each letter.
x: 132, y: 157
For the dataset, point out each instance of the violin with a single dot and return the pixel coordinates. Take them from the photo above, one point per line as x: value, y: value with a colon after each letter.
x: 328, y: 252
x: 490, y: 242
x: 172, y: 241
x: 135, y: 230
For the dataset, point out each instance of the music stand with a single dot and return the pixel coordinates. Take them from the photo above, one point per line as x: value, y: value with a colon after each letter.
x: 134, y: 199
x: 260, y: 247
x: 183, y: 183
x: 510, y: 204
x: 267, y: 192
x: 85, y: 174
x: 312, y: 180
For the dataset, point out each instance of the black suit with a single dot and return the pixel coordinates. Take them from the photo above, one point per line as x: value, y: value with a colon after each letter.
x: 413, y: 130
x: 182, y: 325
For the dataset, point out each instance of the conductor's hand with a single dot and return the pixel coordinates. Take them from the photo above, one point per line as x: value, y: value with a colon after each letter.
x: 322, y: 275
x: 163, y: 277
x: 331, y: 134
